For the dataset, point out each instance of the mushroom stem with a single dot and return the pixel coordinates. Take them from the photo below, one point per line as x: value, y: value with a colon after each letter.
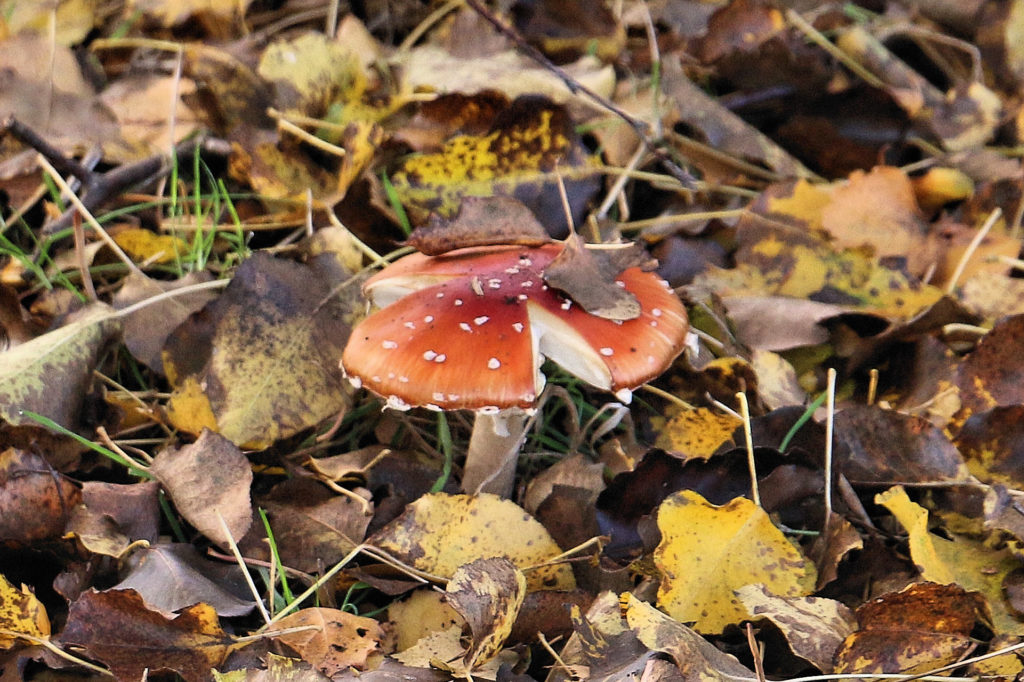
x: 493, y: 450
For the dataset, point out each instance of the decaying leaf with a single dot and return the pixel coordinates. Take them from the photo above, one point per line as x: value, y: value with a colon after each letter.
x: 488, y: 594
x: 922, y: 627
x: 208, y: 481
x: 708, y: 552
x: 117, y: 629
x: 481, y: 221
x: 50, y: 374
x: 964, y: 561
x: 695, y: 432
x: 814, y: 627
x: 21, y: 612
x: 170, y: 577
x: 34, y: 498
x: 588, y: 278
x: 438, y: 533
x: 146, y: 330
x: 261, y: 362
x: 529, y: 145
x: 340, y: 640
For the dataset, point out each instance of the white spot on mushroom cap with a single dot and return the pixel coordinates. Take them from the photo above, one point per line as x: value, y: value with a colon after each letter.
x: 518, y: 326
x: 356, y: 382
x: 441, y: 357
x: 494, y: 283
x: 489, y: 409
x: 656, y: 312
x: 396, y: 403
x: 480, y: 320
x: 458, y: 301
x: 607, y: 352
x: 526, y: 284
x: 428, y: 319
x: 493, y: 363
x: 465, y: 327
x: 388, y: 344
x: 566, y: 304
x: 409, y: 325
x: 439, y: 397
x: 429, y: 355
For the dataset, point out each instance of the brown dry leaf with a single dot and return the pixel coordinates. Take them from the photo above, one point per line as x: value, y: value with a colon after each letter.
x: 208, y: 482
x: 52, y: 96
x: 51, y: 373
x: 146, y: 330
x: 603, y: 647
x: 922, y: 627
x: 341, y: 641
x: 992, y: 376
x: 481, y: 221
x: 34, y: 499
x: 832, y: 546
x: 587, y: 276
x: 814, y: 627
x: 21, y: 612
x: 696, y: 658
x: 488, y: 594
x: 694, y: 433
x: 170, y: 577
x: 134, y: 507
x: 152, y: 113
x: 211, y: 12
x: 991, y: 444
x: 438, y: 533
x: 97, y: 533
x: 117, y: 629
x: 707, y: 552
x: 878, y: 209
x: 261, y: 362
x: 968, y: 562
x: 993, y: 295
x: 313, y: 527
x: 721, y: 128
x: 885, y: 446
x: 509, y: 72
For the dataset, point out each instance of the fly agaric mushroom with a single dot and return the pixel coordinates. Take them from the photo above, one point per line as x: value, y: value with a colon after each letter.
x: 470, y: 329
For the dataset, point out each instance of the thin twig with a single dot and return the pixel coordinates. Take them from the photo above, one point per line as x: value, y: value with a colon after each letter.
x: 755, y: 493
x: 657, y: 147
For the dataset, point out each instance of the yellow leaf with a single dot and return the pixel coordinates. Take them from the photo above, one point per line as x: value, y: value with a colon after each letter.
x: 147, y: 246
x: 696, y: 433
x: 708, y: 552
x: 488, y: 593
x: 438, y: 533
x: 532, y: 145
x: 21, y: 612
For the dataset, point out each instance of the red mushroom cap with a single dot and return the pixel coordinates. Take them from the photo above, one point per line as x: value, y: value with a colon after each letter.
x: 470, y: 329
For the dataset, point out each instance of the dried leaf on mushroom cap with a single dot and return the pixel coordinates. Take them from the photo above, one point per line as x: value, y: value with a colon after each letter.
x: 481, y: 221
x: 586, y: 274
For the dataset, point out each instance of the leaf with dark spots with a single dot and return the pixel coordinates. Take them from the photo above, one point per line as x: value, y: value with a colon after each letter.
x: 119, y: 630
x: 261, y: 362
x: 992, y: 375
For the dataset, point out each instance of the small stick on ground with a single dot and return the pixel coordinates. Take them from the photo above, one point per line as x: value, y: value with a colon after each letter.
x: 97, y: 188
x: 658, y: 148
